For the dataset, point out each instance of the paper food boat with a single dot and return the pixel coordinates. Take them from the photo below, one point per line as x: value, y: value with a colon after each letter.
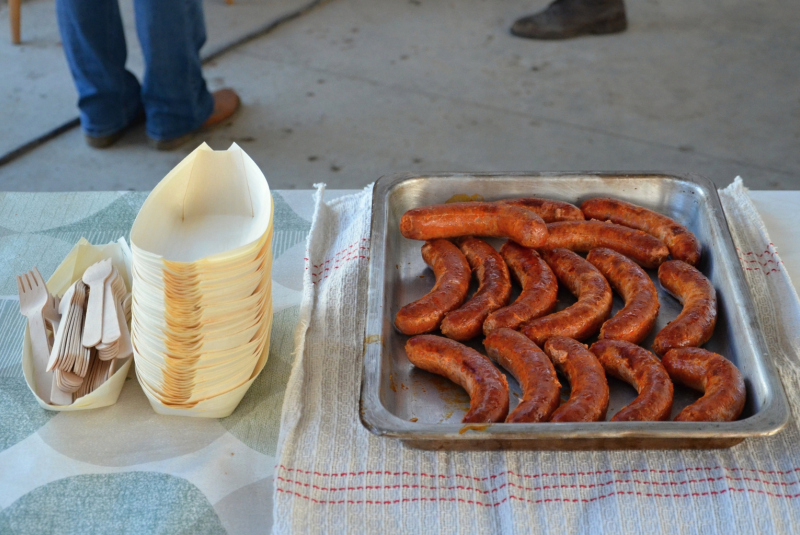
x: 71, y: 269
x: 202, y: 291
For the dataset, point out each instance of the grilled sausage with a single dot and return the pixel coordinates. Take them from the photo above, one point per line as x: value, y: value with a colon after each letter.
x: 695, y: 324
x: 548, y: 209
x: 474, y: 219
x: 532, y: 369
x: 539, y: 289
x: 583, y: 236
x: 494, y: 290
x: 486, y: 386
x: 722, y: 384
x: 582, y: 319
x: 636, y: 319
x: 683, y: 245
x: 588, y: 401
x: 642, y: 370
x: 452, y: 283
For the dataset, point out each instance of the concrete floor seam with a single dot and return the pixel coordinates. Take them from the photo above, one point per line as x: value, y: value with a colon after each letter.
x: 364, y: 88
x: 212, y: 55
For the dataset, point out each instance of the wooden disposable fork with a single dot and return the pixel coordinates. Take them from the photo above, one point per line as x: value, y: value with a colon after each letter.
x: 33, y: 298
x: 67, y: 348
x: 52, y: 316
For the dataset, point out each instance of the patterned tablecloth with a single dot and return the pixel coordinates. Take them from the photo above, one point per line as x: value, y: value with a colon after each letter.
x: 124, y: 468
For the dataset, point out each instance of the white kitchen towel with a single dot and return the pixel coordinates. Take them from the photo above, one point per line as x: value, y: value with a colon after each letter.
x: 775, y: 297
x: 333, y: 476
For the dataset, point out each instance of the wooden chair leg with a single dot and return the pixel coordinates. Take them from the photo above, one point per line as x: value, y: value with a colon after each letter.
x: 14, y: 19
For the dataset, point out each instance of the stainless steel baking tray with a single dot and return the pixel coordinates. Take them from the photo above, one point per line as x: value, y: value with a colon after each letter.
x: 425, y: 411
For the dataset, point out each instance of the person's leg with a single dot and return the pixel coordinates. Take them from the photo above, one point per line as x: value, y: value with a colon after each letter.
x: 572, y: 18
x: 174, y: 92
x: 94, y: 43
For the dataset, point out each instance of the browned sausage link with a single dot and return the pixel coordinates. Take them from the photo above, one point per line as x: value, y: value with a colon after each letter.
x: 532, y: 369
x: 474, y: 219
x: 548, y: 209
x: 494, y: 290
x: 486, y: 386
x: 636, y: 319
x: 539, y: 289
x: 695, y: 324
x: 588, y: 399
x: 642, y: 370
x: 683, y: 245
x: 452, y: 283
x: 582, y: 319
x: 583, y: 236
x: 722, y: 384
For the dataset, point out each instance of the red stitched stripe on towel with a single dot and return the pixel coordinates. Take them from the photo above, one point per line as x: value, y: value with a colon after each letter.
x: 542, y: 500
x: 532, y: 489
x: 533, y: 476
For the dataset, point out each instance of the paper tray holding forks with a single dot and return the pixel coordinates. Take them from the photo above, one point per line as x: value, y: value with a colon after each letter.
x: 83, y: 255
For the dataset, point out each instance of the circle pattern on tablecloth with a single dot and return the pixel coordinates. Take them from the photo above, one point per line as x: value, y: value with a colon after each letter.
x: 248, y: 509
x: 133, y: 502
x: 132, y: 433
x: 21, y: 415
x: 255, y: 420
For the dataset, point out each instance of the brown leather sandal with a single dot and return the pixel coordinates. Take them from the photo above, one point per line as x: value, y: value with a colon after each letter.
x: 226, y: 103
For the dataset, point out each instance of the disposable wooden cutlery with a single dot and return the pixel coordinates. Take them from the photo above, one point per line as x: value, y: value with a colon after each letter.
x: 95, y: 277
x: 58, y: 367
x: 33, y: 300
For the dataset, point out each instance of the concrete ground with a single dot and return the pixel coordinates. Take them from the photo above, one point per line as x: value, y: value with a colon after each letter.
x: 357, y: 89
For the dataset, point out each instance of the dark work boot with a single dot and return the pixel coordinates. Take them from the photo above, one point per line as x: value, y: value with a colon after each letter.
x: 564, y: 19
x: 103, y: 142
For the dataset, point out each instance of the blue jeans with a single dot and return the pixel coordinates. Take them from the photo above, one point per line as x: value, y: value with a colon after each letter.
x: 173, y: 94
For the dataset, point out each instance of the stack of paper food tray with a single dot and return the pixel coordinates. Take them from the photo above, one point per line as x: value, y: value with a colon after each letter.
x: 202, y: 286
